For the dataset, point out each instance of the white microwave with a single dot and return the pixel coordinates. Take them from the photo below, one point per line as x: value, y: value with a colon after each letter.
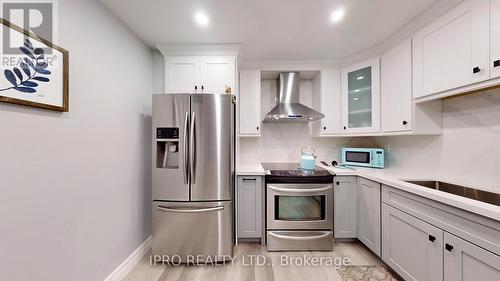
x: 364, y: 157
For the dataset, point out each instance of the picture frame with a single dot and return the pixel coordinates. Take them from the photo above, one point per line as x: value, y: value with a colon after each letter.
x: 33, y: 81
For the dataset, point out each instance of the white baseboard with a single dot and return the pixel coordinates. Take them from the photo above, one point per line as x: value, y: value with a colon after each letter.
x: 126, y: 266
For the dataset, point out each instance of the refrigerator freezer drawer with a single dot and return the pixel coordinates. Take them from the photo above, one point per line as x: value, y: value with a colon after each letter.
x: 182, y: 229
x: 300, y: 240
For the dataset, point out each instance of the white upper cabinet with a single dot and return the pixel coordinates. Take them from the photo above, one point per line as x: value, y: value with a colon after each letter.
x: 249, y: 102
x: 361, y: 97
x: 326, y: 99
x: 396, y: 89
x: 495, y: 38
x: 181, y: 74
x: 217, y: 73
x: 452, y: 51
x: 199, y: 74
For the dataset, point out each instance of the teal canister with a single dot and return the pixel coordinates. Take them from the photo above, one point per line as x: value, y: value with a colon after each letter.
x: 307, y: 159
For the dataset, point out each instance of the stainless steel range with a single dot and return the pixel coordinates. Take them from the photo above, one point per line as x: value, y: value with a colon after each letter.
x: 299, y: 207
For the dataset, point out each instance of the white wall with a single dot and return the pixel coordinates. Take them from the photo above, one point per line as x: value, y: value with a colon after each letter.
x: 283, y: 142
x: 75, y: 187
x: 468, y: 151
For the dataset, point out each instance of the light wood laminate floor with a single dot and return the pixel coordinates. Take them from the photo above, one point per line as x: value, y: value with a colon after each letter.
x: 242, y: 270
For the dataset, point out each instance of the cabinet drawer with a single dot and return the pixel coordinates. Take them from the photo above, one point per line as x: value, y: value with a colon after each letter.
x: 477, y: 229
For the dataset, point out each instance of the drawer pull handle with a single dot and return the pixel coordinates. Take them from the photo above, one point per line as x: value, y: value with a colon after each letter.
x: 448, y: 247
x: 287, y: 237
x: 248, y: 179
x: 432, y: 238
x: 496, y: 63
x: 476, y: 69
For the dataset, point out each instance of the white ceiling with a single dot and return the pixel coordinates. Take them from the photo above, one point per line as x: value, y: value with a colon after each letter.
x: 270, y: 29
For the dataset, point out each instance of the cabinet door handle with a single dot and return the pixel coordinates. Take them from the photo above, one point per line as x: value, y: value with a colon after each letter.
x: 324, y: 128
x: 257, y: 128
x: 476, y: 69
x: 496, y: 63
x: 338, y: 183
x: 405, y: 123
x: 432, y: 238
x: 448, y: 247
x: 196, y: 87
x: 345, y: 127
x: 202, y: 87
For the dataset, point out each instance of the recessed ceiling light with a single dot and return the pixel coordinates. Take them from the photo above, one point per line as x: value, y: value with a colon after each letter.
x: 337, y: 15
x: 360, y: 77
x: 201, y: 19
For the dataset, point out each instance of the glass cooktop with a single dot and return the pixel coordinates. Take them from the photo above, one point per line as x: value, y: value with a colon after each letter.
x: 292, y: 170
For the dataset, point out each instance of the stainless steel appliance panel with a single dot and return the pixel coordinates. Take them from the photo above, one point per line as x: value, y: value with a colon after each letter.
x: 199, y: 228
x: 171, y: 111
x: 299, y: 206
x: 299, y: 240
x: 211, y: 133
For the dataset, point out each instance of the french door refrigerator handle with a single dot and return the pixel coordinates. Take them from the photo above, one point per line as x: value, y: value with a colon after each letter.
x: 176, y: 210
x: 185, y: 171
x: 192, y: 148
x: 312, y: 237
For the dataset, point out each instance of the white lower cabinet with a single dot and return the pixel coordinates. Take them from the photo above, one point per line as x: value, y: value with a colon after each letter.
x: 249, y: 207
x: 411, y: 247
x: 368, y: 228
x: 345, y: 207
x: 424, y: 240
x: 464, y: 261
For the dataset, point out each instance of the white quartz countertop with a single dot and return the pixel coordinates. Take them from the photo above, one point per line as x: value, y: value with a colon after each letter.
x: 250, y: 170
x: 394, y: 178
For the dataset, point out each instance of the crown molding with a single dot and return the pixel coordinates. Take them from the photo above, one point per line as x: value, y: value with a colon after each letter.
x: 199, y: 49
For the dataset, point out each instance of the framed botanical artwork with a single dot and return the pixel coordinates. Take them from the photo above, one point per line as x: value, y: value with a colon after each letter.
x: 33, y: 76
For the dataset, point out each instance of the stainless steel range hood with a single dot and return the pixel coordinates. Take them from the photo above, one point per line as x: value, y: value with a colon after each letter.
x: 289, y: 109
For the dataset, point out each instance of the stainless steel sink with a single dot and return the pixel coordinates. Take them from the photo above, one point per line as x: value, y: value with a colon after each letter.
x: 479, y: 195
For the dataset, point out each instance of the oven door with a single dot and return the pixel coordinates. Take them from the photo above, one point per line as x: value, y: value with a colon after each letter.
x: 299, y: 206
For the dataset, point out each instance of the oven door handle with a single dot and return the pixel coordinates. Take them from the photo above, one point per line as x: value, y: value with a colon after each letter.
x: 302, y: 238
x: 299, y: 190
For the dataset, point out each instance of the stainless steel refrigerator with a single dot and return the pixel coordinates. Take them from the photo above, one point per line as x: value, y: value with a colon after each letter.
x: 193, y: 175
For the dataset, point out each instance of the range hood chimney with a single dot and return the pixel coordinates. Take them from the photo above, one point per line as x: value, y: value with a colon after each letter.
x: 289, y: 109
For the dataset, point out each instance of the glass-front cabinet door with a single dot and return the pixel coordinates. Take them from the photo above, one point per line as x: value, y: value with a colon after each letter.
x: 361, y: 97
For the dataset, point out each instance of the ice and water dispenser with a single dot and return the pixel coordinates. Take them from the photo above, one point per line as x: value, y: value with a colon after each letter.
x: 167, y: 148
